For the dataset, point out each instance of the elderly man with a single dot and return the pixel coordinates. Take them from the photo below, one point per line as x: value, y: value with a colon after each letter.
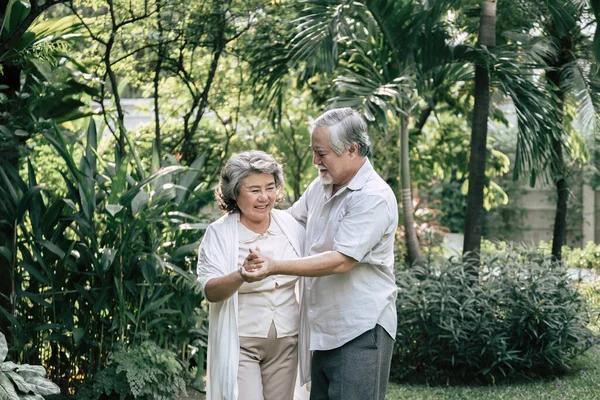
x: 349, y: 299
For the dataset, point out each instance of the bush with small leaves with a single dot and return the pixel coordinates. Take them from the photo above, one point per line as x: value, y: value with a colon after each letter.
x: 521, y: 315
x: 22, y: 382
x: 144, y: 372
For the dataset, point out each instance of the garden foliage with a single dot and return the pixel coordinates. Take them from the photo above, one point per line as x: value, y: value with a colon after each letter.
x: 107, y: 265
x: 22, y: 382
x: 521, y: 316
x: 144, y: 372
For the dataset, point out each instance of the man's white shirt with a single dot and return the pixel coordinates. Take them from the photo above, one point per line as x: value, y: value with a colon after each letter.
x: 359, y: 221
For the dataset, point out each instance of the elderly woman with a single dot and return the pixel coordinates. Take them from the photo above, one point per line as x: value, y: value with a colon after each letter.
x: 253, y: 326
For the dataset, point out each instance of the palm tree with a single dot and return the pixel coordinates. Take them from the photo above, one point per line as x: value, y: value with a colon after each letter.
x: 473, y: 224
x: 384, y: 57
x: 568, y: 76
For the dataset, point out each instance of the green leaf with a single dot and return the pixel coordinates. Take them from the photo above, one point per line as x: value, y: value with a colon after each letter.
x: 31, y: 397
x: 78, y: 334
x: 119, y: 181
x: 27, y: 201
x: 5, y: 251
x: 53, y: 248
x: 154, y: 305
x: 3, y: 347
x: 33, y: 383
x: 7, y: 390
x: 139, y: 201
x: 108, y: 256
x: 114, y: 209
x: 131, y: 193
x: 35, y: 273
x: 189, y: 178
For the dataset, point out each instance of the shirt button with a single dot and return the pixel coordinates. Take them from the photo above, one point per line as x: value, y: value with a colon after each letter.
x: 272, y: 308
x: 274, y: 277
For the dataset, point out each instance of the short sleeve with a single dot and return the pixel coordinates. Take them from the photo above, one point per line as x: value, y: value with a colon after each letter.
x: 363, y: 227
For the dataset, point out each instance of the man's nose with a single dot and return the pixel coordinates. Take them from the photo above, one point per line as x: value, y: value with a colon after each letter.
x: 316, y: 159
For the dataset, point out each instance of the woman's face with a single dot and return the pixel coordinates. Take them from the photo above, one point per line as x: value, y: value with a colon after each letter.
x: 256, y: 198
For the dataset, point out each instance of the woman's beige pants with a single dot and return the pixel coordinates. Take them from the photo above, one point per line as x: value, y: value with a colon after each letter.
x: 267, y: 369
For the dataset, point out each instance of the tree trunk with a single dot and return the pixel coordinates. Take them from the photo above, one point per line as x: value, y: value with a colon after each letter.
x: 473, y: 221
x: 559, y: 234
x: 558, y: 166
x: 412, y: 242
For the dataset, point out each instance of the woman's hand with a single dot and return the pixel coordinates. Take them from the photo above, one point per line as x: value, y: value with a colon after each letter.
x: 260, y: 266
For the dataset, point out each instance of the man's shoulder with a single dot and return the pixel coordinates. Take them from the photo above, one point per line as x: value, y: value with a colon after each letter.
x: 376, y: 186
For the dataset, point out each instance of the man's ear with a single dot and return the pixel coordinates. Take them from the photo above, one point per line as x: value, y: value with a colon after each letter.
x: 353, y: 150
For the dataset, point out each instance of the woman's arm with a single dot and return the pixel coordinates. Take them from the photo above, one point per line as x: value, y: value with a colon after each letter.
x: 222, y: 288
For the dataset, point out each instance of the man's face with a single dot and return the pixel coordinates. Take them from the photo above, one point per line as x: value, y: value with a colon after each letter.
x: 333, y: 169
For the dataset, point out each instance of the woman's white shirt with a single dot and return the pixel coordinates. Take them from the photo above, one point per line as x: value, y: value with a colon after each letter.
x: 218, y: 256
x: 272, y: 299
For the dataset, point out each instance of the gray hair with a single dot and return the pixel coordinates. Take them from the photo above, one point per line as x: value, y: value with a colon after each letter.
x: 346, y: 127
x: 240, y: 166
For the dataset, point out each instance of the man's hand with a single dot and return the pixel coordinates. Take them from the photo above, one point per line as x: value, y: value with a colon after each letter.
x: 260, y: 266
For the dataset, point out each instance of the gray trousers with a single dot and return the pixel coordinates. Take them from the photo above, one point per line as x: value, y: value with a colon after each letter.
x: 358, y: 370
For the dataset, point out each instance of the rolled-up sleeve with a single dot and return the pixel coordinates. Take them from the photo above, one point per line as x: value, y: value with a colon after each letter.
x: 362, y: 227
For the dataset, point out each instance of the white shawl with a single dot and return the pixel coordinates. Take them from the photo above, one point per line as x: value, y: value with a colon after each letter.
x: 218, y: 256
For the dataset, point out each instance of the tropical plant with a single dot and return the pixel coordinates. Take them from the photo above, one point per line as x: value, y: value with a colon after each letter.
x: 36, y: 83
x: 144, y: 372
x: 22, y: 382
x: 109, y: 263
x: 573, y: 78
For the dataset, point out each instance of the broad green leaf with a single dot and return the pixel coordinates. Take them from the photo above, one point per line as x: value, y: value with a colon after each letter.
x: 7, y: 390
x: 139, y: 201
x: 154, y: 305
x: 37, y: 384
x: 3, y: 347
x: 35, y: 273
x: 113, y: 209
x: 108, y: 256
x: 8, y: 366
x: 78, y: 334
x: 31, y: 397
x: 53, y: 248
x: 119, y: 181
x: 131, y: 193
x: 29, y: 371
x: 190, y: 177
x: 138, y: 162
x: 5, y: 251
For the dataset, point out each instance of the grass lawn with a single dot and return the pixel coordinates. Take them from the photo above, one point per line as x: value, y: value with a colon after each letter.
x: 582, y: 383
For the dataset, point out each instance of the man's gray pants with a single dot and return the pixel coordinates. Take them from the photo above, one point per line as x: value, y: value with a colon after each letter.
x: 358, y: 370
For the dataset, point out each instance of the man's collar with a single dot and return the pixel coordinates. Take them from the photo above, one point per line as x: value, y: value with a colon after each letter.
x: 361, y: 176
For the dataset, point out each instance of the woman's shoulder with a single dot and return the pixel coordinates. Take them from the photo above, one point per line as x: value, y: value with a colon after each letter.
x: 225, y: 222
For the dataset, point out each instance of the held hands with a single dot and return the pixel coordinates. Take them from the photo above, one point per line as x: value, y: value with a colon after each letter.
x: 257, y: 266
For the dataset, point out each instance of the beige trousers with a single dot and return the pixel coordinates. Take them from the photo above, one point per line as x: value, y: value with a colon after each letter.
x: 267, y: 369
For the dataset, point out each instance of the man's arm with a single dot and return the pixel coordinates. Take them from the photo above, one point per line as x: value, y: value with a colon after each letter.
x: 327, y: 263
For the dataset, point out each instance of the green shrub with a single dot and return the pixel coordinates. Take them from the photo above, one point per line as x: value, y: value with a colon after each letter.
x: 22, y: 381
x: 591, y: 292
x: 586, y: 257
x: 522, y: 315
x: 145, y: 372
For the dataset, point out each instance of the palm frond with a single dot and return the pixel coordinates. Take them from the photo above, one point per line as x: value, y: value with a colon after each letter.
x: 583, y: 93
